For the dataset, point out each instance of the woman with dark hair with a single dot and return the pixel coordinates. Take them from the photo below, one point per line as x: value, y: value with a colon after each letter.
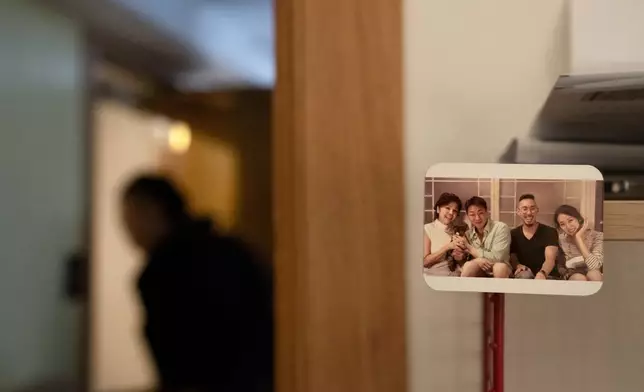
x: 438, y: 236
x: 583, y: 247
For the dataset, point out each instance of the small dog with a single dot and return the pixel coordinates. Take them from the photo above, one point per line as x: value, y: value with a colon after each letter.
x: 459, y: 231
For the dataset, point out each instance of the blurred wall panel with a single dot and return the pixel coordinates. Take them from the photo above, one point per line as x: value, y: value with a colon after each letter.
x: 42, y: 194
x: 208, y: 172
x: 339, y: 200
x: 236, y: 126
x: 125, y: 144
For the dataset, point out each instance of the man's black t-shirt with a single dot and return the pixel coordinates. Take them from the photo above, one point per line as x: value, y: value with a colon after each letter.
x: 532, y: 252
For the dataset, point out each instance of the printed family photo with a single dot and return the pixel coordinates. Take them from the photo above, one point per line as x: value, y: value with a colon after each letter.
x: 514, y: 223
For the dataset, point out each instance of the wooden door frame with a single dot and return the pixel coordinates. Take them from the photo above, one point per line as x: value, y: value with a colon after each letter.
x: 338, y: 198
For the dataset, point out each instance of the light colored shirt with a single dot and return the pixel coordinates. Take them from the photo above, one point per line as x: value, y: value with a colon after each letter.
x: 438, y: 234
x: 594, y: 241
x: 495, y: 244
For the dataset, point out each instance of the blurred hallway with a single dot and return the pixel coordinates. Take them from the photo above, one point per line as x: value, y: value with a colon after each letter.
x: 87, y: 104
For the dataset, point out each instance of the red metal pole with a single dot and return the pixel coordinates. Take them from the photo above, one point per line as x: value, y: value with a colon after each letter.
x: 499, y: 336
x: 493, y: 337
x: 487, y: 332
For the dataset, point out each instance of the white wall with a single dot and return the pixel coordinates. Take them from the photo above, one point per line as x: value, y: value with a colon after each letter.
x: 591, y: 344
x: 124, y: 145
x: 41, y: 196
x: 607, y: 36
x: 476, y: 74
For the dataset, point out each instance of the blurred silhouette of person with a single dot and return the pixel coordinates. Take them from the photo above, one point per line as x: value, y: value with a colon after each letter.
x: 207, y: 299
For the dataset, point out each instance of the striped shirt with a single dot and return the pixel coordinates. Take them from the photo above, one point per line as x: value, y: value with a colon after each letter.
x: 594, y: 241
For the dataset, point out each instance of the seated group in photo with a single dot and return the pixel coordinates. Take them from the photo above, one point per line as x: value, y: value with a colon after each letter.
x: 571, y: 250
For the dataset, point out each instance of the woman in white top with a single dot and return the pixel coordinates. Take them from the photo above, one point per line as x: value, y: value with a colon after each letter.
x: 438, y: 236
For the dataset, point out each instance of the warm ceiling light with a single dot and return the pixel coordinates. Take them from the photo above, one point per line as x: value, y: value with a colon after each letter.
x: 179, y: 138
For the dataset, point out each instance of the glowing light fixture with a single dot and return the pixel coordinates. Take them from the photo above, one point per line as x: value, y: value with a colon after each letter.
x: 179, y: 137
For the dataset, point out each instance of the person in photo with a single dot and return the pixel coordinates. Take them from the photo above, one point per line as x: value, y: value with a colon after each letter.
x: 534, y: 246
x: 487, y: 242
x: 438, y: 243
x: 582, y: 246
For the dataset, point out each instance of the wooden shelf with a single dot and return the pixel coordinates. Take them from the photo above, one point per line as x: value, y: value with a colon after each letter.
x: 624, y: 220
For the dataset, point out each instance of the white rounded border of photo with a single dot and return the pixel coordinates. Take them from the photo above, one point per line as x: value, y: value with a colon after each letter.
x: 523, y: 172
